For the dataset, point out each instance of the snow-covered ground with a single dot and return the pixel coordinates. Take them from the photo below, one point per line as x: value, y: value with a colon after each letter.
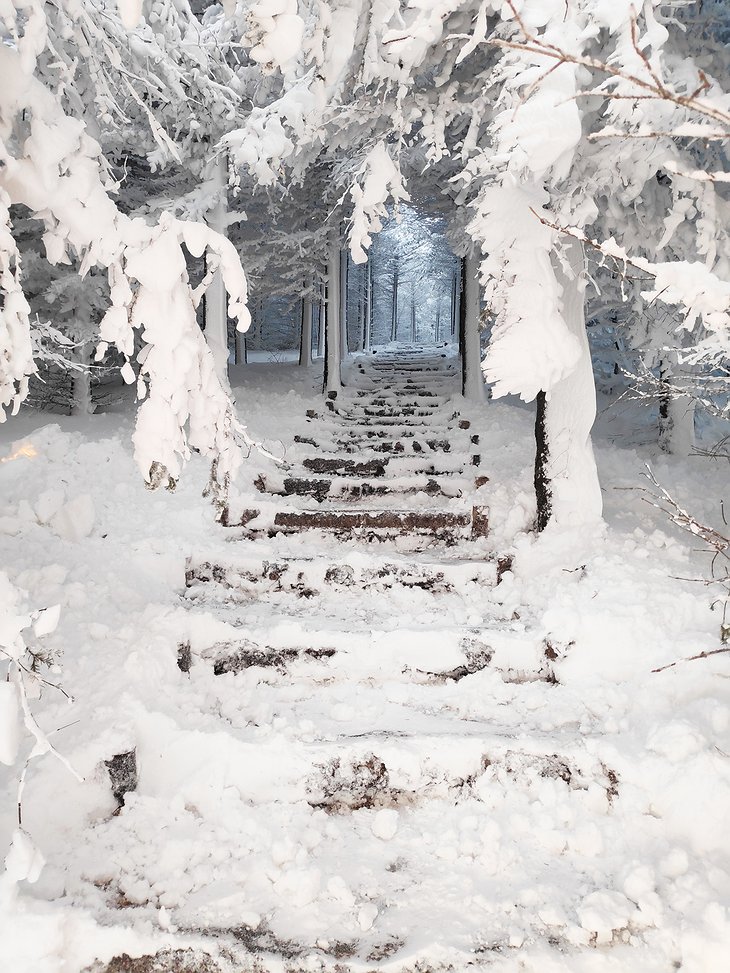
x: 562, y: 808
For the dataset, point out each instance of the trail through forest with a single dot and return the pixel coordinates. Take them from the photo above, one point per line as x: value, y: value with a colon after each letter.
x: 405, y: 706
x: 361, y: 730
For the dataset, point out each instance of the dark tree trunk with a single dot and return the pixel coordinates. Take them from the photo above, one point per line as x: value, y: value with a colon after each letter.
x: 344, y: 293
x: 542, y: 483
x: 322, y: 321
x: 462, y: 325
x: 413, y: 314
x: 394, y: 318
x: 453, y: 304
x: 665, y: 432
x: 371, y: 306
x: 305, y: 341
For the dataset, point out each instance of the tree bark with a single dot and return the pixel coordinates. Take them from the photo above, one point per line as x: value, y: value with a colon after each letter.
x: 320, y: 323
x: 259, y: 322
x: 241, y: 349
x: 344, y: 273
x: 676, y: 415
x: 472, y: 378
x: 216, y: 299
x: 368, y: 317
x: 454, y: 298
x: 333, y: 332
x: 305, y: 344
x: 414, y: 335
x: 542, y: 483
x: 394, y: 311
x: 564, y: 451
x: 82, y: 403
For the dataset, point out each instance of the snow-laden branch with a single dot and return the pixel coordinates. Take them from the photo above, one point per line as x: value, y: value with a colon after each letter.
x: 531, y: 348
x: 381, y: 180
x: 18, y: 630
x: 16, y: 346
x: 647, y: 84
x: 691, y: 285
x: 56, y: 172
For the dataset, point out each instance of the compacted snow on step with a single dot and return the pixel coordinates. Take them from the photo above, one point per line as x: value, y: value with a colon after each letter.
x: 367, y: 745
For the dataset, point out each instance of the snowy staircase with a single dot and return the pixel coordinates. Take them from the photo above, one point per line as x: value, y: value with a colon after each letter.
x: 372, y: 730
x: 389, y: 456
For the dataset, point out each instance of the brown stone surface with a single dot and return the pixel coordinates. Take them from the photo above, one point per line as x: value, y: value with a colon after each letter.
x: 405, y: 521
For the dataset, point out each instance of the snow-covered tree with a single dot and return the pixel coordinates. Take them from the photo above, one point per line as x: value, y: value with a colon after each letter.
x: 541, y: 126
x: 54, y: 168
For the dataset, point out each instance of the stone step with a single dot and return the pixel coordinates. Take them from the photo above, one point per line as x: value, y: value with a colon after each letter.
x: 363, y: 767
x: 393, y: 465
x: 375, y: 412
x: 441, y: 391
x: 363, y: 431
x: 366, y: 445
x: 395, y: 403
x: 340, y: 466
x: 359, y: 489
x: 403, y: 368
x: 357, y: 446
x: 437, y: 523
x: 308, y: 578
x: 361, y: 420
x: 392, y: 396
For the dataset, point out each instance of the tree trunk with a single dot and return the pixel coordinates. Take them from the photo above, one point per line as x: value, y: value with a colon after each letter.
x: 344, y: 268
x: 437, y: 328
x: 472, y: 379
x: 241, y: 349
x: 368, y: 316
x: 81, y: 402
x: 676, y: 415
x: 333, y: 332
x: 259, y: 326
x: 305, y: 344
x: 361, y: 306
x: 216, y: 300
x: 570, y: 494
x: 461, y: 336
x: 542, y: 484
x: 414, y: 336
x: 394, y: 313
x: 321, y: 324
x: 454, y: 298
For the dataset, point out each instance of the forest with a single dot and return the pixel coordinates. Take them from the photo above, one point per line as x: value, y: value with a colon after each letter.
x: 364, y: 560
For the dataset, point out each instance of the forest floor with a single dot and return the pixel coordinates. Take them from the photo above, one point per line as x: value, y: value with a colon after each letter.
x: 455, y: 774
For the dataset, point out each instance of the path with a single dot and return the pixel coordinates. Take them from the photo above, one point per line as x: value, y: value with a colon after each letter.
x: 400, y: 766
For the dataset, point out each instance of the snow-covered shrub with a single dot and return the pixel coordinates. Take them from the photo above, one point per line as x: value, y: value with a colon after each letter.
x: 21, y: 656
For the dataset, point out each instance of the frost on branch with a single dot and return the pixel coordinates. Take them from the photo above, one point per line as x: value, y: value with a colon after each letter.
x: 531, y: 348
x: 185, y: 406
x: 276, y: 32
x: 16, y: 347
x: 382, y: 180
x: 20, y: 652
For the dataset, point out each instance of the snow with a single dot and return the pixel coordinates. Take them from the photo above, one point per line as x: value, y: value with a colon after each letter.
x: 501, y: 829
x: 9, y: 728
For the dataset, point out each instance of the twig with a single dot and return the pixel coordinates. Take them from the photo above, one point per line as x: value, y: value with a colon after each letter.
x: 691, y: 658
x: 534, y: 45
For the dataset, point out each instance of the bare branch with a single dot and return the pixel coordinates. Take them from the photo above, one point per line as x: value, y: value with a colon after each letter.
x: 652, y: 86
x: 692, y: 658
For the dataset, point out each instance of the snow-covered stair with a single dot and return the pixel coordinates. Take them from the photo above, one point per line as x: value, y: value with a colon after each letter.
x: 388, y: 457
x: 372, y: 760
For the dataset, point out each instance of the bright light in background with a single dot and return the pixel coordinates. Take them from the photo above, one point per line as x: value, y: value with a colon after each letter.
x: 26, y: 450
